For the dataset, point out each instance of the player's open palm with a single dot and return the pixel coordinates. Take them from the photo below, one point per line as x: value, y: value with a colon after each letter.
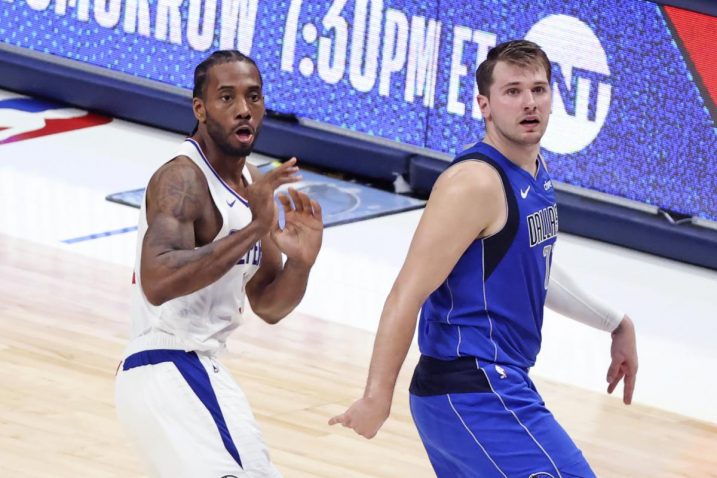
x: 300, y: 239
x: 365, y: 416
x: 260, y: 194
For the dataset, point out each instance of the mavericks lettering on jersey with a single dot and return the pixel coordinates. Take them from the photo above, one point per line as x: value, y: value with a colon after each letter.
x: 543, y: 225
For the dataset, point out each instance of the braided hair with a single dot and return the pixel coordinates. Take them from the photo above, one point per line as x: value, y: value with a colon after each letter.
x: 217, y: 58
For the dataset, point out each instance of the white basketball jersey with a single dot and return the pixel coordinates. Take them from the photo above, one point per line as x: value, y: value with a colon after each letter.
x: 202, y: 320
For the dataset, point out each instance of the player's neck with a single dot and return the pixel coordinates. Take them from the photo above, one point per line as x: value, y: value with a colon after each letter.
x: 522, y: 155
x: 228, y: 167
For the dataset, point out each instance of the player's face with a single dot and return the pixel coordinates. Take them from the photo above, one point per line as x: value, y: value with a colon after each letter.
x: 519, y: 105
x: 234, y: 106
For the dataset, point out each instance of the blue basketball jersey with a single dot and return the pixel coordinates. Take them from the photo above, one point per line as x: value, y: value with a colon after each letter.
x: 491, y: 304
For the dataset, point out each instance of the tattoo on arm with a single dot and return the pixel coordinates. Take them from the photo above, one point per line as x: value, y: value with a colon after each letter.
x: 175, y: 199
x: 179, y: 193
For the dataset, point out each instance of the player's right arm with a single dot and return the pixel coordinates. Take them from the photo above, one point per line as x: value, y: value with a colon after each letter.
x: 467, y: 202
x: 178, y: 201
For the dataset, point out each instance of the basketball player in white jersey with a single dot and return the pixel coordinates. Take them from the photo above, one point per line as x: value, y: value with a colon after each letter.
x: 208, y: 237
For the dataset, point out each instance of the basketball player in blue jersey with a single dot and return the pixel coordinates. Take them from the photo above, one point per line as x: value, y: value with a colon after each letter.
x: 208, y: 236
x: 479, y: 269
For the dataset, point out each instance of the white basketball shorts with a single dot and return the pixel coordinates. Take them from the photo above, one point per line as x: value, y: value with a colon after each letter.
x: 189, y: 418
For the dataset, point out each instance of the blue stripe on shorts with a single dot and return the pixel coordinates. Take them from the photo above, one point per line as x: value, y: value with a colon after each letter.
x: 194, y: 373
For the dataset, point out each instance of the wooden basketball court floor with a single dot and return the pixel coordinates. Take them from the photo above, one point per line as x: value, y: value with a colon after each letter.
x: 64, y: 324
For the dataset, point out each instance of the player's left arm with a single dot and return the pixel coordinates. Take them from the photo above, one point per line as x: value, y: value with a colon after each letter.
x: 278, y: 286
x: 567, y: 298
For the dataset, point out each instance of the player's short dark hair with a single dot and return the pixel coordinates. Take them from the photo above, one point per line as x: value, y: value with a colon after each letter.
x: 217, y: 58
x: 516, y: 52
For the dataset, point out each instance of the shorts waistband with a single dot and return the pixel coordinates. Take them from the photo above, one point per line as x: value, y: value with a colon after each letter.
x: 154, y: 357
x: 439, y: 377
x: 155, y: 340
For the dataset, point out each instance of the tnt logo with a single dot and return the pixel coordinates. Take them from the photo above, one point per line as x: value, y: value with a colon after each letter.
x: 581, y: 88
x: 26, y: 118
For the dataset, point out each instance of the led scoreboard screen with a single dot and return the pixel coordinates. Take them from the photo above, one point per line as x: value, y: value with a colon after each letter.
x: 634, y: 83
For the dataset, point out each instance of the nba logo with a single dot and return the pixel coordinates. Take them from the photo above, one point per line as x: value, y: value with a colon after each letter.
x: 26, y: 118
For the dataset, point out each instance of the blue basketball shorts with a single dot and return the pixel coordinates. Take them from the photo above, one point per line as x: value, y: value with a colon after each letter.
x: 486, y: 420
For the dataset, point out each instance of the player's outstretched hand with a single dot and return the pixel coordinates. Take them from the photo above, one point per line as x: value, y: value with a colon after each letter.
x: 365, y: 416
x: 300, y: 239
x: 624, y: 359
x: 260, y: 194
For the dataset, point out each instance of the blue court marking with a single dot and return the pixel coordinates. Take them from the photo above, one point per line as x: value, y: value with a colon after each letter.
x: 342, y: 201
x: 29, y: 105
x: 99, y: 235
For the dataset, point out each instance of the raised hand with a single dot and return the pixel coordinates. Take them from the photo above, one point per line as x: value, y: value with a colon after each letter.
x: 303, y: 229
x: 623, y: 352
x: 365, y: 416
x: 260, y: 194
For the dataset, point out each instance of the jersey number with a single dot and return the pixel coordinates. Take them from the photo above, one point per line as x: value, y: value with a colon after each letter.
x: 547, y: 250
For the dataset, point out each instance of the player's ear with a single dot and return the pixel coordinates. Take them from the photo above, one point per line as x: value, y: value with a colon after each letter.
x: 484, y: 106
x: 198, y: 108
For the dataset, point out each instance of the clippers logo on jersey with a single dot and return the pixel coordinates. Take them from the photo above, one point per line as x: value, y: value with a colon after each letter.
x: 581, y: 93
x: 27, y: 118
x: 253, y: 255
x: 543, y: 225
